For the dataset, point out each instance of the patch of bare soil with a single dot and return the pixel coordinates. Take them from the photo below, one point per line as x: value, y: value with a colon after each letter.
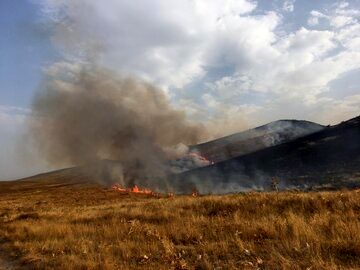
x: 7, y: 263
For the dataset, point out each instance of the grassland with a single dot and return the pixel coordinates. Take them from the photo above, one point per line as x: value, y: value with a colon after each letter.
x: 62, y: 225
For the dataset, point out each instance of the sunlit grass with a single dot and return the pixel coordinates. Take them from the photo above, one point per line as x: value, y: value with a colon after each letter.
x: 87, y: 227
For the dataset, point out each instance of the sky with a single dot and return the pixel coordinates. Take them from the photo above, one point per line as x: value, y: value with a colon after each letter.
x: 232, y: 64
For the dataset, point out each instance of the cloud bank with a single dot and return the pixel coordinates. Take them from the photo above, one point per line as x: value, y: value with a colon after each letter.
x: 219, y: 58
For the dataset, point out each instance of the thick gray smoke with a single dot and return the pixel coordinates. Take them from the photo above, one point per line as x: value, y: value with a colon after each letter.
x: 89, y: 114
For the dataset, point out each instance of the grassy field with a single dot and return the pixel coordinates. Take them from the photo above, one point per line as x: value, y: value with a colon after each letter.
x: 55, y: 225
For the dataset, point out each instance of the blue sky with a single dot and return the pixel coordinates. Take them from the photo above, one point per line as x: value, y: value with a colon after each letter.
x: 232, y: 64
x: 25, y: 47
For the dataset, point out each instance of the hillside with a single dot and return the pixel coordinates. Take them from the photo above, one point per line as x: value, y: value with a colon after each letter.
x: 255, y: 139
x: 328, y: 157
x: 104, y: 172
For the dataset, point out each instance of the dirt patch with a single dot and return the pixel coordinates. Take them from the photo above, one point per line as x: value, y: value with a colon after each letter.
x: 7, y: 263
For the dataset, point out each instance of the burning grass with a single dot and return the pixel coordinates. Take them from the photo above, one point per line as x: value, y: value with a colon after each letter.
x: 83, y: 226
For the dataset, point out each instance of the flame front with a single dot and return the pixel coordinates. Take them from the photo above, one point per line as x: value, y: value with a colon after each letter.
x: 201, y: 158
x: 134, y: 189
x: 137, y: 190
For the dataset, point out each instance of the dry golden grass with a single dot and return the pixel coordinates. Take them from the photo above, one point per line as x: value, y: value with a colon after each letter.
x: 47, y: 225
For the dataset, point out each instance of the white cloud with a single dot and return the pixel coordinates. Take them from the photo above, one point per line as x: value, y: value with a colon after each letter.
x: 175, y: 43
x: 162, y: 41
x: 297, y: 65
x: 288, y: 5
x: 341, y: 21
x: 337, y: 17
x: 315, y: 16
x: 333, y: 111
x: 229, y: 86
x: 343, y: 4
x: 349, y: 37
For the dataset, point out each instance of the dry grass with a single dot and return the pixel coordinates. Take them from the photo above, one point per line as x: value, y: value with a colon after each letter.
x: 73, y: 226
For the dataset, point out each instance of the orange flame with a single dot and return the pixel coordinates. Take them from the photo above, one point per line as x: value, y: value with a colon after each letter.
x: 203, y: 159
x: 195, y: 192
x: 137, y: 190
x: 134, y: 189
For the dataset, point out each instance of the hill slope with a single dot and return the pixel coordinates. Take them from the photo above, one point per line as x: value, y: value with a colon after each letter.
x: 328, y: 157
x: 255, y: 139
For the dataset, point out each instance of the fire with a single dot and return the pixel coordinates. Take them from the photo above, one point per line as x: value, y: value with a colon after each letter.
x: 137, y: 190
x: 117, y: 187
x: 195, y: 193
x: 201, y: 158
x: 134, y: 189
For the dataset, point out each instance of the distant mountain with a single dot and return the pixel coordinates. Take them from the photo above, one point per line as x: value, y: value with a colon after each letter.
x: 329, y: 157
x: 255, y: 139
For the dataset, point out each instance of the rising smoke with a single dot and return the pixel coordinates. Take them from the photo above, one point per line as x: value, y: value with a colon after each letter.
x: 88, y: 113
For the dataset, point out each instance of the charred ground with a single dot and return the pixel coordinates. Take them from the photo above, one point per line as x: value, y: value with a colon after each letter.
x: 255, y: 139
x: 329, y: 158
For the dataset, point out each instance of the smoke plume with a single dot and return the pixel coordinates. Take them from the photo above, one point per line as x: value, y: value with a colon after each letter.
x: 88, y: 113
